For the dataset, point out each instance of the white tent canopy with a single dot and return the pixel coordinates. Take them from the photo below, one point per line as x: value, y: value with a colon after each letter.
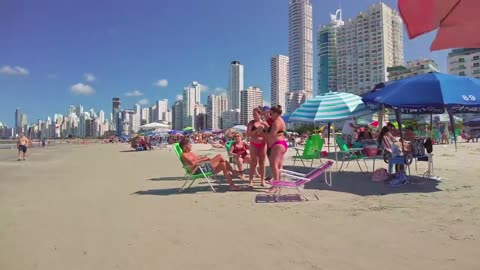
x: 155, y: 126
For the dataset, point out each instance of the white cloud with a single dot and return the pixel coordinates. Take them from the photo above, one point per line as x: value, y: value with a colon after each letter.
x: 89, y: 77
x: 161, y: 83
x: 82, y: 89
x: 8, y: 70
x: 179, y: 97
x: 134, y: 93
x: 203, y: 88
x: 143, y: 101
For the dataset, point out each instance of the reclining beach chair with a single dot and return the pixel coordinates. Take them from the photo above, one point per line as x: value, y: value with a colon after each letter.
x: 350, y: 154
x: 188, y: 175
x: 311, y: 151
x: 298, y: 180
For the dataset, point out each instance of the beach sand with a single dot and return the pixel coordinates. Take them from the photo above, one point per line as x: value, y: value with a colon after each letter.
x: 106, y: 207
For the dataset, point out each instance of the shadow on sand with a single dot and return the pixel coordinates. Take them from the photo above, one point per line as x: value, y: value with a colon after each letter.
x: 167, y: 178
x: 196, y: 188
x: 359, y: 183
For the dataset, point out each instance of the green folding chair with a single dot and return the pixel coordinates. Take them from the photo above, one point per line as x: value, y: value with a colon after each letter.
x: 200, y: 174
x: 311, y: 151
x: 350, y: 154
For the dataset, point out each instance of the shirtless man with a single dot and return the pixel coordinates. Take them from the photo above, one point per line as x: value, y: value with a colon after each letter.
x: 215, y: 165
x: 22, y: 144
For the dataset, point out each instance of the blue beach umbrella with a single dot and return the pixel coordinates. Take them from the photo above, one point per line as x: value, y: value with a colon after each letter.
x: 329, y: 107
x: 431, y: 93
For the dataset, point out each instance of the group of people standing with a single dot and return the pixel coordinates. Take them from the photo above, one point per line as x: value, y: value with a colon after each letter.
x: 266, y: 133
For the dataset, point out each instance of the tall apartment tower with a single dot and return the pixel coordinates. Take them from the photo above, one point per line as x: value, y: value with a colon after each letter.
x: 161, y: 110
x: 250, y: 98
x: 300, y: 46
x: 327, y: 53
x: 177, y: 115
x: 115, y: 113
x: 366, y: 47
x: 235, y: 84
x: 279, y: 79
x: 216, y: 105
x: 191, y: 97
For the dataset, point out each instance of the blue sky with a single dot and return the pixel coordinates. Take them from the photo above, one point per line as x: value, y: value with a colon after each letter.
x: 50, y: 47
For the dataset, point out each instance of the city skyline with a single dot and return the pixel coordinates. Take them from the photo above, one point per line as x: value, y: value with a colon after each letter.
x: 52, y: 78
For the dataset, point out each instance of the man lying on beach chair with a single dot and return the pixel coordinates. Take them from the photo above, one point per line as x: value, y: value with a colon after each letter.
x: 213, y: 165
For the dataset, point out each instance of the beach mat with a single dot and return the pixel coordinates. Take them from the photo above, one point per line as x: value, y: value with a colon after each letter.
x: 266, y: 198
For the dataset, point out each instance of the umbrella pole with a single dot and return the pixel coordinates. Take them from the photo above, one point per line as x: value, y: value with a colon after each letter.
x: 452, y: 123
x: 335, y: 146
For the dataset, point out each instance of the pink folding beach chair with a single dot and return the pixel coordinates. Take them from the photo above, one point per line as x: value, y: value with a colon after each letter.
x: 297, y: 180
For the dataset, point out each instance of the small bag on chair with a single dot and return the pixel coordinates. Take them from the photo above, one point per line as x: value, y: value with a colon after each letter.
x: 380, y: 175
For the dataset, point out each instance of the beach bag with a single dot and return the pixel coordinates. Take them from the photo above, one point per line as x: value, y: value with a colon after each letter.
x: 380, y: 175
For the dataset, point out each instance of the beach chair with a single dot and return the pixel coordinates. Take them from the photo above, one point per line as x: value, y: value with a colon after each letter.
x: 311, y: 151
x: 350, y: 154
x: 291, y: 179
x: 188, y: 175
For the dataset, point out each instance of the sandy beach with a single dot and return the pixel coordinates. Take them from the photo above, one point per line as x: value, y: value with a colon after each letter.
x: 106, y: 207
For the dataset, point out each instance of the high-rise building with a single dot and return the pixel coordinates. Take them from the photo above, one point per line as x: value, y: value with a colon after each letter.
x: 250, y: 98
x: 200, y: 117
x: 464, y: 62
x: 235, y: 84
x: 230, y: 118
x: 216, y: 105
x: 300, y: 46
x: 366, y: 47
x: 191, y: 97
x: 294, y: 99
x: 177, y: 115
x: 101, y: 116
x: 136, y: 118
x: 115, y: 113
x: 413, y: 67
x: 162, y: 108
x: 327, y: 54
x: 18, y: 120
x: 72, y: 110
x: 145, y: 117
x: 279, y: 79
x: 79, y: 110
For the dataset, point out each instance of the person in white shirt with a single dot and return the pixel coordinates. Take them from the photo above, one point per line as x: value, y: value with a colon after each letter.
x: 348, y: 131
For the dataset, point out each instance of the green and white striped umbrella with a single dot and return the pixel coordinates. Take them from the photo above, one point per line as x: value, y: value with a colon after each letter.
x: 330, y: 107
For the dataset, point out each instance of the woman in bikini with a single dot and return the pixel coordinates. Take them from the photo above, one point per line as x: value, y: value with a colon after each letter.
x: 258, y: 150
x: 239, y: 151
x: 276, y: 143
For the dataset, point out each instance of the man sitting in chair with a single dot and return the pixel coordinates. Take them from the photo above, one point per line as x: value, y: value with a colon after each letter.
x: 215, y: 165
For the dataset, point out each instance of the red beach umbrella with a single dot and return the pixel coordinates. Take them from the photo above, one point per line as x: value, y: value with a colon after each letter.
x: 457, y: 21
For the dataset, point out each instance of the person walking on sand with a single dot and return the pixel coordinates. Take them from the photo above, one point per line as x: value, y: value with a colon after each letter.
x: 22, y: 144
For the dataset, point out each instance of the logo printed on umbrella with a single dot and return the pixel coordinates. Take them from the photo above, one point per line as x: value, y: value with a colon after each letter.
x: 469, y: 97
